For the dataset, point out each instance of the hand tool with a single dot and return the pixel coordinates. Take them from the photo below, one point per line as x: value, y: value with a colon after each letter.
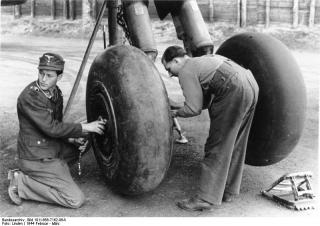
x: 182, y: 139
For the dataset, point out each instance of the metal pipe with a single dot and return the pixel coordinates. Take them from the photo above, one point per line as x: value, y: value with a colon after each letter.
x: 181, y: 34
x: 139, y: 26
x: 85, y: 59
x: 114, y: 31
x: 104, y: 37
x: 195, y: 29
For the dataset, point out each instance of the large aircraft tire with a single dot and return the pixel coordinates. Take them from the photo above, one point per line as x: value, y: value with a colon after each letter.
x: 281, y: 109
x: 125, y: 88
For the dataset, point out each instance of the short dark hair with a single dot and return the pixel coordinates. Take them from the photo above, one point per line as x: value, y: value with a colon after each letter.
x: 59, y: 72
x: 172, y: 52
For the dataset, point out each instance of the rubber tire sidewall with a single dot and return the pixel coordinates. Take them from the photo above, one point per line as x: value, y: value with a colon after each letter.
x: 281, y: 109
x: 142, y: 116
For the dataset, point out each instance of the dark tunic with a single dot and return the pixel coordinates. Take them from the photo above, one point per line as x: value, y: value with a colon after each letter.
x: 42, y: 149
x: 42, y: 133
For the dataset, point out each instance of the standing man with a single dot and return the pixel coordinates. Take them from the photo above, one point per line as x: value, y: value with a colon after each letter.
x: 46, y: 143
x: 230, y: 93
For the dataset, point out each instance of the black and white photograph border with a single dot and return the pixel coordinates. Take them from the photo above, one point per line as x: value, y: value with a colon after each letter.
x: 68, y: 28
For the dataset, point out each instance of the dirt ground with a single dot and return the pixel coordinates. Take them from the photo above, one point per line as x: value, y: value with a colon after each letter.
x: 18, y: 66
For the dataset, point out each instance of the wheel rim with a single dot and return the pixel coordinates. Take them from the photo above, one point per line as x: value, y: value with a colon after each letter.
x: 106, y: 145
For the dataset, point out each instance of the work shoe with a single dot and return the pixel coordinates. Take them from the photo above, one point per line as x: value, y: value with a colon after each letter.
x: 13, y: 187
x: 227, y: 197
x: 194, y: 204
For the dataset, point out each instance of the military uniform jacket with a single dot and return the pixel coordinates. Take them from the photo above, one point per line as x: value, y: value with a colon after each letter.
x: 42, y: 133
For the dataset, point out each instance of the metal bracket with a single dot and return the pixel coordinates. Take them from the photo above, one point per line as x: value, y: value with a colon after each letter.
x: 292, y: 191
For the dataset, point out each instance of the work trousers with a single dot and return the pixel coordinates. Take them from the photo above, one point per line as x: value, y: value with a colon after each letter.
x: 231, y: 112
x: 50, y: 181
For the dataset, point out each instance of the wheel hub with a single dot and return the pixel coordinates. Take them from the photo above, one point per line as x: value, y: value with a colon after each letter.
x: 106, y: 145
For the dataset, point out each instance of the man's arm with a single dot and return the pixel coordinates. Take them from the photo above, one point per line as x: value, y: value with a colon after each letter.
x: 175, y: 105
x: 192, y: 92
x: 33, y: 107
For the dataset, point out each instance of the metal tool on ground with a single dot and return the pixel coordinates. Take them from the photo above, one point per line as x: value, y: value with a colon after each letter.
x: 292, y: 191
x: 182, y: 139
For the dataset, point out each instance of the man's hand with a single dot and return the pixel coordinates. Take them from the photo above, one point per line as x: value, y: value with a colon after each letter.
x: 94, y: 127
x: 80, y: 141
x: 175, y: 105
x: 83, y: 147
x: 174, y: 113
x: 77, y: 141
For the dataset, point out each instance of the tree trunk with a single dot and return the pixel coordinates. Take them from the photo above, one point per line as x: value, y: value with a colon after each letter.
x: 295, y: 13
x: 86, y: 10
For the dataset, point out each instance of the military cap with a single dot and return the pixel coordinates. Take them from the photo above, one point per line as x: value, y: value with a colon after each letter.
x: 51, y: 61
